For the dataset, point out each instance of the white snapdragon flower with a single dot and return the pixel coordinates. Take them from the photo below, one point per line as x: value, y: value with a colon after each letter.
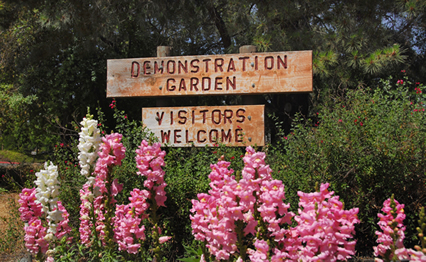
x: 47, y: 193
x: 48, y: 186
x: 49, y: 237
x: 90, y: 139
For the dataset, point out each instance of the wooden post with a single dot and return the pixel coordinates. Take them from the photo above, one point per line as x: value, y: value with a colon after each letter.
x: 248, y: 49
x: 163, y: 51
x: 250, y: 99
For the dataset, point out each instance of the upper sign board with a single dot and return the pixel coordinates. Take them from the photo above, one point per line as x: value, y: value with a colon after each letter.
x: 245, y: 73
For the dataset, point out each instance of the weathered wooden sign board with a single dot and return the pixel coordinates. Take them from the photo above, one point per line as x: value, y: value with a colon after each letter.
x: 247, y: 73
x: 206, y: 125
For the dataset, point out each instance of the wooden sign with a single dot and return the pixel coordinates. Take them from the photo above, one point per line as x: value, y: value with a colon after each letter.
x: 208, y: 125
x: 248, y: 73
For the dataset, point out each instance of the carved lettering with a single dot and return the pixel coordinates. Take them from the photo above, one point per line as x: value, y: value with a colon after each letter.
x: 226, y: 137
x: 171, y: 67
x: 227, y: 115
x: 213, y: 136
x: 218, y: 63
x: 165, y: 136
x: 146, y: 67
x: 243, y: 59
x: 207, y: 60
x: 207, y: 86
x: 194, y: 65
x: 158, y: 69
x: 242, y: 117
x: 271, y: 62
x: 281, y: 62
x: 135, y: 73
x: 183, y: 66
x: 218, y: 83
x: 182, y: 118
x: 176, y: 136
x: 231, y: 65
x: 170, y: 87
x: 182, y: 85
x: 160, y: 118
x: 198, y: 136
x: 230, y: 83
x: 219, y: 116
x: 193, y: 84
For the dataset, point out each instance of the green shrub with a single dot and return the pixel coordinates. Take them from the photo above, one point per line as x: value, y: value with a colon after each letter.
x: 368, y: 145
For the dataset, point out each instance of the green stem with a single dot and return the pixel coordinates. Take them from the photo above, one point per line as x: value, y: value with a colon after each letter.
x: 93, y: 220
x: 240, y: 241
x: 154, y: 222
x: 109, y: 234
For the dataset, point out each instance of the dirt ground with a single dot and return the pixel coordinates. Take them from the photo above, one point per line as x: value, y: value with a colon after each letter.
x: 18, y: 251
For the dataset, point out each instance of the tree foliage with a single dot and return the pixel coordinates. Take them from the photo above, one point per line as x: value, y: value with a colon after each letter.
x: 57, y: 50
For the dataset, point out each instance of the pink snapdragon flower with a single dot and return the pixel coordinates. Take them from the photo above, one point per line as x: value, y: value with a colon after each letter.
x: 232, y: 206
x: 391, y: 238
x: 324, y: 231
x: 111, y: 152
x: 63, y: 228
x: 34, y: 238
x: 261, y: 253
x: 86, y: 197
x: 149, y: 161
x: 127, y: 221
x: 29, y: 207
x: 164, y: 239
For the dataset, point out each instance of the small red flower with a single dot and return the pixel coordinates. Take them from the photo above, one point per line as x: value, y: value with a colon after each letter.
x: 232, y: 158
x: 417, y: 83
x: 62, y: 144
x: 402, y: 71
x: 31, y: 171
x: 99, y: 124
x: 361, y: 124
x: 66, y: 161
x: 125, y: 117
x: 340, y: 120
x: 242, y: 156
x: 285, y: 138
x: 214, y: 152
x: 103, y: 132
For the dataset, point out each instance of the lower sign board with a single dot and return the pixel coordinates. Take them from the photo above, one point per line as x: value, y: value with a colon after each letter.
x: 207, y: 125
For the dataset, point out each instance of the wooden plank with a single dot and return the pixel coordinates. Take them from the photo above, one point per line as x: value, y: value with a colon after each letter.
x: 206, y: 125
x: 254, y: 73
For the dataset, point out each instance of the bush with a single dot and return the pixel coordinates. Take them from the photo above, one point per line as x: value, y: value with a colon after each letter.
x: 368, y: 145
